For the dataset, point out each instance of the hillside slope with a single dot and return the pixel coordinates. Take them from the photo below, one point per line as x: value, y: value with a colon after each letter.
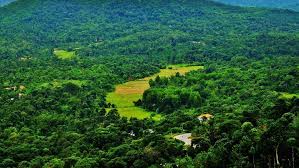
x: 144, y: 28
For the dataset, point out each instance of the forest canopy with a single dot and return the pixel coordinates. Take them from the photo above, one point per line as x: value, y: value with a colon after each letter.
x: 60, y: 58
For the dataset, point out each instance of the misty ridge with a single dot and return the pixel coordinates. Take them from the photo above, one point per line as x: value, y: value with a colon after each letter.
x: 284, y: 4
x: 5, y: 2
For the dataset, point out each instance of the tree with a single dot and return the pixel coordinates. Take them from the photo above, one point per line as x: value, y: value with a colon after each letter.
x: 113, y: 115
x: 116, y: 163
x: 9, y: 163
x: 71, y: 88
x: 277, y: 135
x: 292, y: 143
x: 54, y: 163
x: 86, y: 163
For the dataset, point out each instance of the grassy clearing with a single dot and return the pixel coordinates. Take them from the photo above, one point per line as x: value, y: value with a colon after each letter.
x: 137, y: 112
x: 125, y: 94
x: 59, y: 83
x: 64, y: 55
x: 173, y: 69
x: 288, y: 96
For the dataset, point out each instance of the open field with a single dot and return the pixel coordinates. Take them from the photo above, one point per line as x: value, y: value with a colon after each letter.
x: 288, y: 96
x: 59, y: 83
x: 173, y: 69
x: 125, y: 94
x: 64, y: 55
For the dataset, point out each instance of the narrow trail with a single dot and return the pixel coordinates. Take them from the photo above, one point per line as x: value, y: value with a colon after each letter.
x: 125, y: 94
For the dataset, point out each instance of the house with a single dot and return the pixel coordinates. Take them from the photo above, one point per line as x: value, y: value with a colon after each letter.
x: 149, y: 131
x: 204, y: 117
x: 132, y: 133
x: 14, y: 88
x: 11, y: 88
x: 22, y: 87
x: 20, y: 95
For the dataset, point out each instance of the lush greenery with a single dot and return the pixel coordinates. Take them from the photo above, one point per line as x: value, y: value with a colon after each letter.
x: 60, y: 58
x: 173, y: 31
x: 254, y: 117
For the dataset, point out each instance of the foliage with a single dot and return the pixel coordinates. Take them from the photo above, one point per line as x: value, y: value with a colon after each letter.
x: 54, y: 112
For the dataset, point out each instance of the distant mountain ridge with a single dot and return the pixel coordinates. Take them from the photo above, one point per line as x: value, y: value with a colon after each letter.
x: 285, y: 4
x: 5, y: 2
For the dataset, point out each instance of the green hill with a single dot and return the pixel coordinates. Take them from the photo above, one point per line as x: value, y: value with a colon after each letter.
x: 144, y: 28
x: 234, y: 98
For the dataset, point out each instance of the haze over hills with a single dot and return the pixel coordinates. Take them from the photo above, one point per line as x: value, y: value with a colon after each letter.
x: 285, y: 4
x: 148, y: 83
x: 5, y: 2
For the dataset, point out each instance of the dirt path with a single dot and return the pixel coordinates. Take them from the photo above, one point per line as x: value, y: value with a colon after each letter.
x: 125, y: 94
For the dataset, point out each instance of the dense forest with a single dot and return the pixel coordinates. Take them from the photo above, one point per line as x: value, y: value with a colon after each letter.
x: 284, y: 4
x: 60, y: 58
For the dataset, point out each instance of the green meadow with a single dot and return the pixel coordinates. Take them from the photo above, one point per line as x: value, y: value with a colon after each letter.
x: 64, y: 55
x: 125, y: 94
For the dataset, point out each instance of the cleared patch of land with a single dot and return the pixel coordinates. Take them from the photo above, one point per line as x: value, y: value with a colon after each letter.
x: 288, y: 95
x: 64, y: 55
x: 125, y: 94
x: 59, y: 83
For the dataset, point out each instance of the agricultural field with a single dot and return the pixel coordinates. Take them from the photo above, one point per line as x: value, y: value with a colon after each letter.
x: 125, y: 94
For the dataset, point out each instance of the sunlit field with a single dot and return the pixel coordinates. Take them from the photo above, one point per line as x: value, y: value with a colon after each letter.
x: 125, y: 94
x: 64, y: 55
